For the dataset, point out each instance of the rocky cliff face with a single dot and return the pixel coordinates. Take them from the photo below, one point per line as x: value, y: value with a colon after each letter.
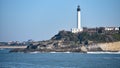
x: 113, y: 46
x: 53, y: 46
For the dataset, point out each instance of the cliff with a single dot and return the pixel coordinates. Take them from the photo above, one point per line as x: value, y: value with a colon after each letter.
x: 76, y: 42
x: 113, y: 46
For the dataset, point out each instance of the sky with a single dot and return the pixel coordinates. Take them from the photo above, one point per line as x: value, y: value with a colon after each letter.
x: 21, y: 20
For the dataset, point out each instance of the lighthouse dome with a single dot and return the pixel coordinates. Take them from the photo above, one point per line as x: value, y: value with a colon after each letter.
x: 78, y: 8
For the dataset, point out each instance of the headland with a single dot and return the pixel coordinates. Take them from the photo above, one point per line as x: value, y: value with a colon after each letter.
x: 66, y: 41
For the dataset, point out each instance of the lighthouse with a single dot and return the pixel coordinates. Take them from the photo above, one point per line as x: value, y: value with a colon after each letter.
x: 79, y: 28
x: 78, y: 18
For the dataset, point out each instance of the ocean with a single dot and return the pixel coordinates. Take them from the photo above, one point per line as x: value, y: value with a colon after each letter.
x: 58, y: 60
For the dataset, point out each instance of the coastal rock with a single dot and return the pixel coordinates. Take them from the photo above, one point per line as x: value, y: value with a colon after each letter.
x: 94, y: 48
x: 83, y: 48
x: 113, y: 46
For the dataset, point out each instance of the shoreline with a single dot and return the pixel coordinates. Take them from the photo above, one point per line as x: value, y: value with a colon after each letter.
x: 102, y: 52
x: 98, y: 52
x: 89, y: 52
x: 99, y: 47
x: 37, y: 52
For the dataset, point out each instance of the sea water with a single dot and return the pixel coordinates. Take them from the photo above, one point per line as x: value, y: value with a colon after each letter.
x: 58, y: 60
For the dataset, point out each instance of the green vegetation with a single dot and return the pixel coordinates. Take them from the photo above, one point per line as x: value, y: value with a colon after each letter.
x: 116, y: 36
x: 84, y: 37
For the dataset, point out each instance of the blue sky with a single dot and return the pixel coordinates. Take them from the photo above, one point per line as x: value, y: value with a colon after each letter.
x: 21, y: 20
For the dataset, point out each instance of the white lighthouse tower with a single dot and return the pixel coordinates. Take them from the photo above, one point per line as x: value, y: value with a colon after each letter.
x: 78, y: 18
x: 79, y: 28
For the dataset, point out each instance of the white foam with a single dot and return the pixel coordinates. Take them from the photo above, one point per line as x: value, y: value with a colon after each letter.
x: 103, y: 52
x: 61, y: 52
x: 35, y: 52
x: 67, y: 52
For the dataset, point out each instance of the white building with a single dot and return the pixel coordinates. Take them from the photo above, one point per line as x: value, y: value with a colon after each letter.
x: 79, y: 28
x: 111, y: 28
x: 116, y: 28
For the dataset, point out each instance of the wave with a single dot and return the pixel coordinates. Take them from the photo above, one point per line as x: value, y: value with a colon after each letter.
x: 34, y: 52
x: 60, y: 52
x: 72, y: 52
x: 103, y: 52
x: 47, y: 52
